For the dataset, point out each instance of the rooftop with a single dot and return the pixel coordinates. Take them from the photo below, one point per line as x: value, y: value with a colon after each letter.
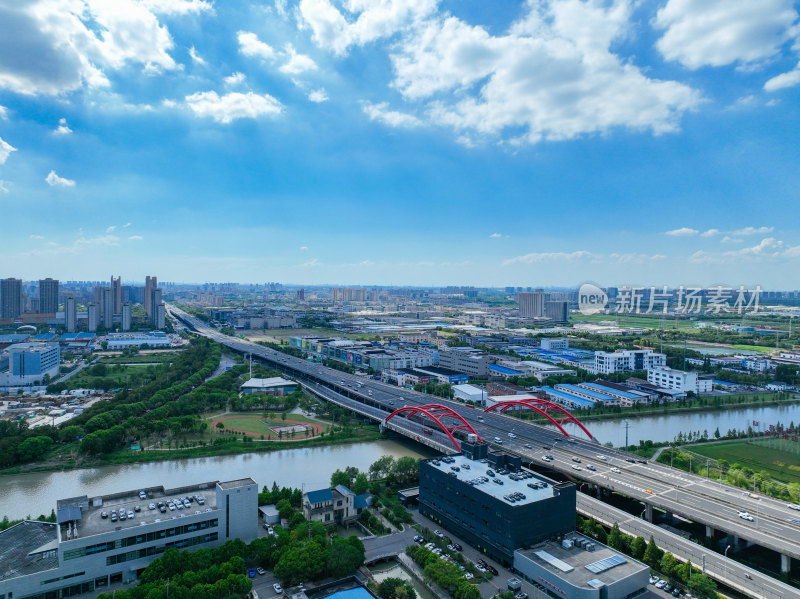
x: 91, y: 520
x: 274, y: 381
x: 235, y: 484
x: 590, y: 392
x: 580, y: 567
x: 477, y: 474
x: 568, y: 396
x: 28, y: 547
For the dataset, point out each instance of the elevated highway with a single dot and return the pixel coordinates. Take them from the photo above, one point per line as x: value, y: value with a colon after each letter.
x: 693, y: 497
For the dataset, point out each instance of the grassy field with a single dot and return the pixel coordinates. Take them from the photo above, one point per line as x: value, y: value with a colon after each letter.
x: 162, y: 358
x: 120, y: 376
x: 759, y: 348
x: 781, y: 464
x: 268, y: 428
x: 633, y: 320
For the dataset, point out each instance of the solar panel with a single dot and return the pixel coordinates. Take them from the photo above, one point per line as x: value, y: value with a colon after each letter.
x: 605, y: 564
x: 553, y: 561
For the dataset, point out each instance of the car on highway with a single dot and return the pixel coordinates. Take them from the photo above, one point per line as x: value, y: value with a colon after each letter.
x: 591, y: 467
x: 576, y: 460
x: 512, y: 435
x: 631, y: 460
x: 601, y: 457
x: 546, y: 458
x: 793, y: 506
x: 528, y: 446
x: 615, y: 469
x: 745, y: 516
x: 576, y: 467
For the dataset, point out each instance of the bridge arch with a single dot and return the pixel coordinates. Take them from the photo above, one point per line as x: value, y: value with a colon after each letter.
x: 543, y: 407
x: 436, y: 413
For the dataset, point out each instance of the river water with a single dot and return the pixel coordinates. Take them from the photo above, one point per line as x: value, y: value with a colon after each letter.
x: 306, y: 468
x: 667, y: 427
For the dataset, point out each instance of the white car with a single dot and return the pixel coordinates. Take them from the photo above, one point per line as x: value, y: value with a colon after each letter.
x: 438, y: 533
x: 660, y: 584
x: 793, y: 506
x: 512, y: 435
x: 277, y: 588
x: 615, y: 469
x: 745, y: 516
x: 576, y: 467
x: 469, y: 576
x: 601, y: 457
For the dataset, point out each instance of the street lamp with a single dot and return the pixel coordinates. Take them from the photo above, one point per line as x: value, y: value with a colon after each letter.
x: 726, y: 560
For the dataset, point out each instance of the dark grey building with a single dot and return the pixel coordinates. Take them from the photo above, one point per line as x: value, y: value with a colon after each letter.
x: 10, y: 298
x: 492, y: 503
x: 48, y: 296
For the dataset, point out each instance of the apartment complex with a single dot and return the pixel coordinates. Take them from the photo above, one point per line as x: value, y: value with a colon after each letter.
x: 680, y: 380
x: 628, y: 360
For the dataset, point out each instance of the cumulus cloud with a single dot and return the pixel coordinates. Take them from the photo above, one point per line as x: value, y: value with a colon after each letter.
x: 318, y: 96
x: 110, y: 228
x: 3, y: 113
x: 3, y: 188
x: 768, y: 248
x: 548, y: 257
x: 178, y: 7
x: 195, y: 56
x: 53, y: 47
x: 753, y: 231
x: 682, y: 232
x: 250, y: 45
x: 135, y: 238
x: 784, y: 80
x: 710, y: 233
x: 63, y: 128
x: 496, y: 236
x: 297, y: 63
x: 393, y: 118
x: 303, y: 248
x: 37, y: 237
x: 53, y: 180
x: 235, y: 78
x: 126, y: 225
x: 374, y: 19
x: 701, y: 33
x: 549, y: 76
x: 225, y: 109
x: 5, y: 150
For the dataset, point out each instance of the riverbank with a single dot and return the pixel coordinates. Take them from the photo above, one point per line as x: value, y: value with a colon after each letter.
x: 226, y: 448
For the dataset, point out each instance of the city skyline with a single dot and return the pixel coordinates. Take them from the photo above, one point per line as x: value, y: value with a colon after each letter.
x: 402, y: 143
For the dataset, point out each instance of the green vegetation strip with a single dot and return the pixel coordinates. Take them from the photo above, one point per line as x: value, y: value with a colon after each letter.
x: 780, y: 464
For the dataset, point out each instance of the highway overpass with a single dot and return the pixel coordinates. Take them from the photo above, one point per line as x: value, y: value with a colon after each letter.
x: 693, y: 497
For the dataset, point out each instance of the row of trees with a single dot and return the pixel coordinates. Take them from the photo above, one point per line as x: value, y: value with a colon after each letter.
x: 651, y: 554
x: 445, y: 574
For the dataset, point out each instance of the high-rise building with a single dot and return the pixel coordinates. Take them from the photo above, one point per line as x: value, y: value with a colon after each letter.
x: 150, y: 283
x: 126, y: 316
x: 157, y: 309
x: 116, y: 294
x: 10, y: 298
x: 93, y: 316
x: 48, y: 296
x: 70, y: 314
x: 301, y: 295
x: 558, y: 311
x: 531, y: 305
x: 108, y: 308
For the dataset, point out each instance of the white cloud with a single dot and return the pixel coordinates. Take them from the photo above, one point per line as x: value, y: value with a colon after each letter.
x: 3, y: 187
x: 232, y: 106
x: 701, y: 33
x: 767, y: 249
x: 3, y: 113
x: 710, y: 233
x: 548, y: 257
x: 311, y: 263
x: 37, y: 237
x: 195, y: 56
x: 753, y: 231
x: 235, y: 78
x: 634, y: 258
x: 318, y: 96
x: 110, y: 228
x: 54, y: 180
x: 374, y: 19
x: 729, y: 239
x: 178, y: 7
x: 682, y: 232
x: 496, y: 236
x: 303, y: 248
x: 62, y: 45
x: 250, y: 45
x: 280, y: 8
x: 297, y: 63
x: 126, y: 225
x: 135, y: 238
x: 550, y: 77
x: 5, y: 150
x: 63, y: 128
x: 393, y: 118
x: 784, y: 80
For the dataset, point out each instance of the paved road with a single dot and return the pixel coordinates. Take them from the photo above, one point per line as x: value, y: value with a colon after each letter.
x: 691, y: 496
x: 719, y: 567
x: 380, y: 547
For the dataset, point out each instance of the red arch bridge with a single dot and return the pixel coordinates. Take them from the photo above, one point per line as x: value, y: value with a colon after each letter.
x: 553, y: 412
x: 446, y: 419
x: 449, y: 421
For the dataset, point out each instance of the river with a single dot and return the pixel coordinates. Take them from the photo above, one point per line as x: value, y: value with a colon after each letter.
x: 309, y: 468
x: 666, y: 427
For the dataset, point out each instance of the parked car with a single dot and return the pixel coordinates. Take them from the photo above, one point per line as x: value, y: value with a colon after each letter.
x: 438, y: 533
x: 277, y: 588
x: 261, y: 571
x: 251, y: 572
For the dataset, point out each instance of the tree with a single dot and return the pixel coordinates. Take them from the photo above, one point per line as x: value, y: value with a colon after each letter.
x: 701, y: 585
x: 339, y: 478
x: 396, y: 588
x: 33, y: 448
x: 342, y: 558
x: 381, y: 467
x: 70, y: 433
x: 652, y: 554
x: 638, y: 547
x: 285, y: 509
x: 360, y: 485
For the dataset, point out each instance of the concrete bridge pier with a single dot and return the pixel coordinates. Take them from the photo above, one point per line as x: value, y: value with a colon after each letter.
x: 648, y: 512
x: 786, y: 563
x: 710, y: 531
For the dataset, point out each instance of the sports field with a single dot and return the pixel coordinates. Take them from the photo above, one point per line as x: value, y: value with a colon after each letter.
x: 294, y: 427
x: 781, y: 463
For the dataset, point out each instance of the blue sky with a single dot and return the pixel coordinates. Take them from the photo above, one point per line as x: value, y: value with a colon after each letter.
x: 408, y: 142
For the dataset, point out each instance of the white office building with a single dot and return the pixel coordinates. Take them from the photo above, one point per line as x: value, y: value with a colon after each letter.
x: 91, y: 545
x: 679, y: 380
x: 29, y: 363
x: 627, y: 360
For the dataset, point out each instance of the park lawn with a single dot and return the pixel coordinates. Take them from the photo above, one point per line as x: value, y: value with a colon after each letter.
x: 162, y: 358
x: 120, y: 375
x: 651, y: 322
x: 781, y: 465
x: 257, y: 424
x: 759, y: 348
